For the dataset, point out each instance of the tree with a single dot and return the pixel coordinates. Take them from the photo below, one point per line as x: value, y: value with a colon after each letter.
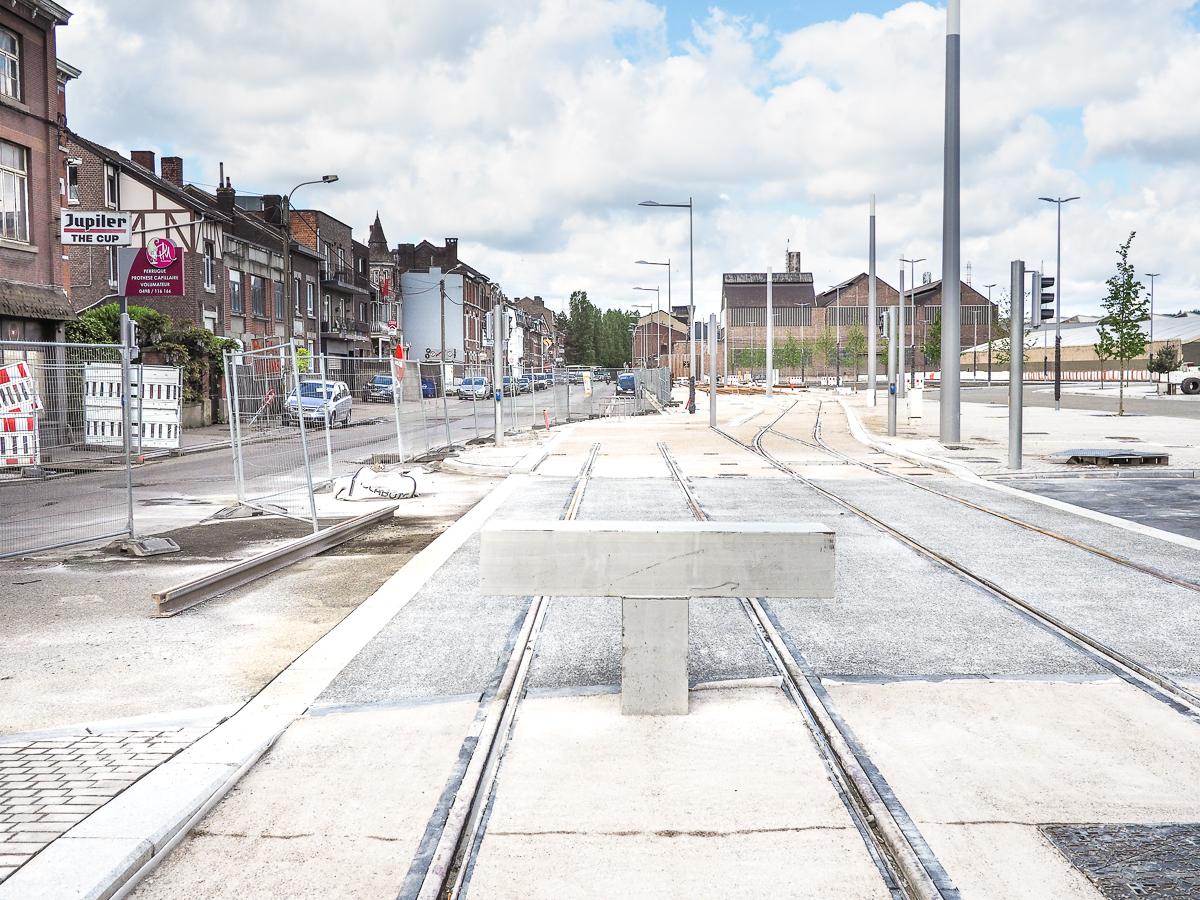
x: 1104, y: 351
x: 931, y: 347
x: 102, y: 325
x: 1125, y: 309
x: 826, y: 347
x: 856, y: 346
x: 1165, y: 361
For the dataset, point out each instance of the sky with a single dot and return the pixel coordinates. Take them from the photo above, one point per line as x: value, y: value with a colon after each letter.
x: 530, y: 129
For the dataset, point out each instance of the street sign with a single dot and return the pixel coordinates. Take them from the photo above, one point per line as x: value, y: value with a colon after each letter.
x: 398, y: 363
x: 98, y: 229
x: 155, y: 270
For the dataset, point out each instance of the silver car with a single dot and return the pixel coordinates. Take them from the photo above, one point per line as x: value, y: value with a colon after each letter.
x: 321, y: 403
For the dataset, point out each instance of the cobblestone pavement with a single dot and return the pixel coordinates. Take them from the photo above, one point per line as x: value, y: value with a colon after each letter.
x: 48, y: 785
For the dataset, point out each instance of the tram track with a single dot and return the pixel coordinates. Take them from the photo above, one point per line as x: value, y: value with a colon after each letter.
x: 445, y: 858
x: 908, y: 866
x: 1156, y: 685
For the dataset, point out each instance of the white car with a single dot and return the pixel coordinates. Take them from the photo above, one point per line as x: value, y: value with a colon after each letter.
x: 321, y: 403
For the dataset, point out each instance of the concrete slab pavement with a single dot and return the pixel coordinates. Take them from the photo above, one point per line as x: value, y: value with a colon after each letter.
x: 731, y: 799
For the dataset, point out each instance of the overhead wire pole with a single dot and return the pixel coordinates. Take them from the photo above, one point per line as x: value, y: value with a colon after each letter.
x: 989, y: 335
x: 1058, y: 286
x: 872, y: 312
x: 1151, y: 276
x: 949, y: 408
x: 770, y: 335
x: 912, y: 296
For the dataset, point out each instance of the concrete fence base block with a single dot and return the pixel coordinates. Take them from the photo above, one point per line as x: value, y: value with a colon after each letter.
x: 654, y: 657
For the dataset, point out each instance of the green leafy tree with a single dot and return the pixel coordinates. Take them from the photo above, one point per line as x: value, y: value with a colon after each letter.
x: 825, y: 347
x: 1125, y: 308
x: 102, y: 325
x: 1166, y: 360
x: 856, y: 347
x: 1104, y: 351
x: 931, y: 347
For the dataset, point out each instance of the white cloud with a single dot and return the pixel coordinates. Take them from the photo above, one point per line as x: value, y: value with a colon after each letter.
x: 531, y: 128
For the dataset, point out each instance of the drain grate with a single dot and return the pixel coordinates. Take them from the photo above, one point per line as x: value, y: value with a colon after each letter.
x: 1130, y: 862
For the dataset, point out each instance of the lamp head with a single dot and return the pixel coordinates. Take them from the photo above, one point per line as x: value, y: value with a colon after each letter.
x: 329, y: 179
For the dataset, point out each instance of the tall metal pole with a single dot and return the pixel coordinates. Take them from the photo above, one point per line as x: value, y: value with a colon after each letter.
x: 127, y: 351
x: 901, y: 390
x: 442, y: 380
x: 499, y: 345
x: 712, y: 368
x: 872, y: 312
x: 893, y: 352
x: 692, y: 313
x: 1152, y: 276
x: 989, y: 336
x: 951, y: 419
x: 770, y: 335
x: 1058, y: 285
x: 1016, y: 360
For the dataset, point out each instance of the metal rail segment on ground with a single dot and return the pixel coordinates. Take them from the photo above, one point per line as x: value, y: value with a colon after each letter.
x: 1159, y: 686
x: 819, y: 444
x: 445, y: 857
x: 908, y: 865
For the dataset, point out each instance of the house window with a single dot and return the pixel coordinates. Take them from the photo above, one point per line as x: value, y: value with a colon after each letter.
x: 73, y: 183
x: 258, y: 296
x: 341, y: 260
x: 14, y: 193
x: 112, y: 267
x: 362, y: 311
x: 328, y: 264
x: 112, y: 187
x: 10, y: 65
x: 210, y: 275
x: 312, y: 300
x: 325, y: 313
x: 236, y: 301
x: 296, y: 293
x: 279, y: 311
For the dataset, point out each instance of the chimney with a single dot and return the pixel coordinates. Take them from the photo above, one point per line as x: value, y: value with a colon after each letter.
x: 273, y: 209
x: 451, y: 252
x: 793, y: 261
x: 144, y: 158
x: 172, y: 170
x: 225, y: 195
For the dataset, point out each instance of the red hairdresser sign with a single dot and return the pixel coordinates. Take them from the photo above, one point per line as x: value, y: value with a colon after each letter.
x: 155, y: 270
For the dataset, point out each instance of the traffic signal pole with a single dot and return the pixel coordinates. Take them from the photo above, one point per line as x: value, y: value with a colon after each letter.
x: 1016, y: 363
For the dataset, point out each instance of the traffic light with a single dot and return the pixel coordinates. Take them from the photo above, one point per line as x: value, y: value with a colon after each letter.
x: 1047, y: 298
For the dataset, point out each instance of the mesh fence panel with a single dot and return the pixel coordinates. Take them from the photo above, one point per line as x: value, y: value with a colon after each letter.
x: 64, y: 474
x: 278, y: 418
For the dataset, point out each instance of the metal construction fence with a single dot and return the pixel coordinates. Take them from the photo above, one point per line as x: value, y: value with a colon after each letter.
x: 65, y: 464
x: 298, y: 422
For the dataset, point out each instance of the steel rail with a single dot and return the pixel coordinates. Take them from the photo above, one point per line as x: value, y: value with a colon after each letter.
x: 1154, y: 684
x: 176, y: 599
x: 1047, y: 532
x: 897, y: 847
x: 447, y: 867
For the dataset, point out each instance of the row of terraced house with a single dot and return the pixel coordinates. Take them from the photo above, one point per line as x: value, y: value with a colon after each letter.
x: 254, y: 270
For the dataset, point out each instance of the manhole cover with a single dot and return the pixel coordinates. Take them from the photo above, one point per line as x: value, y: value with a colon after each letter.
x: 1130, y: 862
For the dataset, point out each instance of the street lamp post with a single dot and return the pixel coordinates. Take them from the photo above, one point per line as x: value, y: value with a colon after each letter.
x: 949, y: 410
x: 989, y: 311
x: 670, y: 308
x: 912, y: 319
x: 693, y: 365
x: 1058, y: 286
x: 639, y: 333
x: 1152, y: 276
x: 287, y: 230
x: 657, y: 324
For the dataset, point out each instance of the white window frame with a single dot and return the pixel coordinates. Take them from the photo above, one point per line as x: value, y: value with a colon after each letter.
x: 10, y: 67
x: 14, y: 184
x: 72, y: 185
x: 310, y: 299
x: 278, y: 300
x: 234, y: 277
x: 112, y: 186
x: 210, y: 266
x: 112, y: 267
x: 296, y: 293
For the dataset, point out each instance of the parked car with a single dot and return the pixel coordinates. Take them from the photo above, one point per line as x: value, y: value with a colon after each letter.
x: 380, y: 389
x: 525, y: 384
x: 542, y: 381
x: 474, y: 388
x: 626, y: 384
x: 576, y: 378
x: 320, y: 403
x: 510, y: 386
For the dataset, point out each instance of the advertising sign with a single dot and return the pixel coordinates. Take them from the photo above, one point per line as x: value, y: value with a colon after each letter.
x: 98, y: 229
x: 587, y: 384
x: 155, y: 270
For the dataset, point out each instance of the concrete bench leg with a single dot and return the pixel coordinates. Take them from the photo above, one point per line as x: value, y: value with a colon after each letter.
x: 654, y: 657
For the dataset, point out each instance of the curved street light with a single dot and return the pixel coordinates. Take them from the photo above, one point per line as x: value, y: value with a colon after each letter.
x: 693, y: 362
x: 287, y: 241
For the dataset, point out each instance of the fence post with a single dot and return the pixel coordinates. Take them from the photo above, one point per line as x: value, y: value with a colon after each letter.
x: 397, y: 391
x: 235, y: 432
x: 127, y: 416
x: 312, y: 499
x: 327, y: 417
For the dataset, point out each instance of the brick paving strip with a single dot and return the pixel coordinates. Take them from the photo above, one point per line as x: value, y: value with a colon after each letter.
x: 48, y: 785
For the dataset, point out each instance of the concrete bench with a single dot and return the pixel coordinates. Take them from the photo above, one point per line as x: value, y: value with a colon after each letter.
x: 656, y: 568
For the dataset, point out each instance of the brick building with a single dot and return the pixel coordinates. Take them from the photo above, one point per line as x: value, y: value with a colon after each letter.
x: 385, y: 281
x: 654, y: 338
x: 33, y: 302
x: 345, y: 297
x: 100, y: 178
x: 544, y: 350
x: 423, y: 269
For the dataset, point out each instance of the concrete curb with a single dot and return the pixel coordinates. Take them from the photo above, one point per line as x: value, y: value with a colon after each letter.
x: 106, y: 854
x: 860, y: 433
